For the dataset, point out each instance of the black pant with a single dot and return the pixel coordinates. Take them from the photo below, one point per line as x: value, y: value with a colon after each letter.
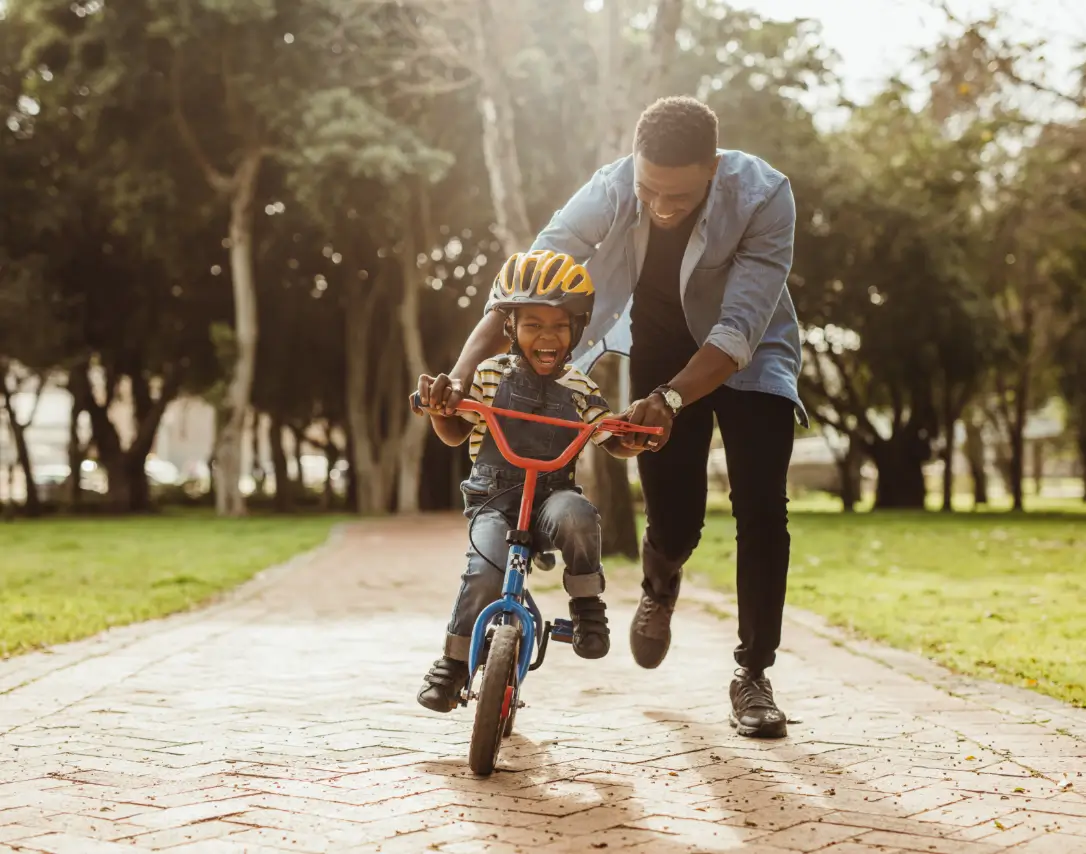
x: 757, y: 430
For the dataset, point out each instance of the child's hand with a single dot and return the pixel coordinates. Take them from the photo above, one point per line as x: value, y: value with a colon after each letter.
x: 440, y: 395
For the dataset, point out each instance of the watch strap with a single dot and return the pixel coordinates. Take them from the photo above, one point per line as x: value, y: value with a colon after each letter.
x: 663, y: 392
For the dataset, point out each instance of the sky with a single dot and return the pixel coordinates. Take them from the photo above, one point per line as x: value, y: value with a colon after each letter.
x: 876, y: 38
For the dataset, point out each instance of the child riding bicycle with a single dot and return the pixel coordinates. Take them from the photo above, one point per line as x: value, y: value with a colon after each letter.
x: 548, y: 299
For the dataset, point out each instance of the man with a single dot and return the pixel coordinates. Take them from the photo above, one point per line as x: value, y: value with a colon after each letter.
x: 689, y: 248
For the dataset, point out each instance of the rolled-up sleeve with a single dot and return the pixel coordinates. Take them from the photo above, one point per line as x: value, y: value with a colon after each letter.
x: 756, y: 277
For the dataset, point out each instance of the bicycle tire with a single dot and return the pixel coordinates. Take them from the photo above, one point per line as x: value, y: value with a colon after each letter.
x: 499, y: 673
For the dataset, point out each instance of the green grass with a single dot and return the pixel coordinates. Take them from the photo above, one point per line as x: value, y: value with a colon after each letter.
x: 994, y: 595
x: 64, y: 579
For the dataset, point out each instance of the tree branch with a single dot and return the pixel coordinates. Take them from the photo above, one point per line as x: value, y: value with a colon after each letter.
x: 852, y: 394
x: 219, y: 182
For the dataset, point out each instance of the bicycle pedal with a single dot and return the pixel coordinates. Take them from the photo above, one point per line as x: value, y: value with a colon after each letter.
x: 562, y: 630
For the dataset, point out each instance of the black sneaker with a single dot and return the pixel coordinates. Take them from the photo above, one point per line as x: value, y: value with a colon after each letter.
x: 591, y: 637
x: 754, y: 711
x: 442, y: 685
x: 650, y: 631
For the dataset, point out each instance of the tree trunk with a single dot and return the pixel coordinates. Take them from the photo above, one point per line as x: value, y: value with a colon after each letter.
x: 978, y: 471
x: 1038, y: 466
x: 283, y: 485
x: 256, y: 467
x: 1018, y: 442
x: 127, y: 489
x: 331, y: 457
x: 848, y: 468
x: 32, y: 503
x: 352, y: 477
x: 77, y: 453
x: 900, y: 461
x: 412, y: 443
x: 296, y: 435
x: 228, y: 448
x: 79, y: 389
x: 495, y: 104
x: 608, y: 482
x: 669, y: 15
x: 358, y: 317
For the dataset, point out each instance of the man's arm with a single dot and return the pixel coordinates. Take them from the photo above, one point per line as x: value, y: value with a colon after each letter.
x: 487, y: 339
x: 755, y: 283
x: 574, y: 230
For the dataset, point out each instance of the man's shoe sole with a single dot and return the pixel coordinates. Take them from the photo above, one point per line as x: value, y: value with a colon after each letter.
x: 774, y: 730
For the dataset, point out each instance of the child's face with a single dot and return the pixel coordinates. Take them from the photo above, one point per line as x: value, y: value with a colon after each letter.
x: 544, y: 333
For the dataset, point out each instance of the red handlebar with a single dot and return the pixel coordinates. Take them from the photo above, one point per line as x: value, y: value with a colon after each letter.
x: 585, y: 431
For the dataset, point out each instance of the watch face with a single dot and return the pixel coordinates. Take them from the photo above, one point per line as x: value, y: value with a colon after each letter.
x: 673, y: 399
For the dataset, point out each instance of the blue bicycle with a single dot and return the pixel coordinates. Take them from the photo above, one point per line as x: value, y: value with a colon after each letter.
x: 509, y: 629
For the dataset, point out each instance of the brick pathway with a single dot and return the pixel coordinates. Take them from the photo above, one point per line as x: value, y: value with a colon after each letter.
x: 283, y: 719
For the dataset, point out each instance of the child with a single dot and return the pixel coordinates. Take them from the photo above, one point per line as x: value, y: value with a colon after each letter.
x: 548, y: 301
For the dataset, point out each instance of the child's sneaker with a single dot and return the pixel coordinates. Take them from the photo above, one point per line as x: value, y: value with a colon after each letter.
x: 443, y: 684
x: 591, y: 637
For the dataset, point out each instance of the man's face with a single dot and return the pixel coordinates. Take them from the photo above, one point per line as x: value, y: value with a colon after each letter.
x: 671, y: 193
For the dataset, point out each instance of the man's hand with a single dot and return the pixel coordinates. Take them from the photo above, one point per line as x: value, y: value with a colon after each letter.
x: 649, y: 412
x: 441, y: 394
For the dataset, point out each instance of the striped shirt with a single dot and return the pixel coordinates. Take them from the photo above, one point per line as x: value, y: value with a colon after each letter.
x: 586, y: 396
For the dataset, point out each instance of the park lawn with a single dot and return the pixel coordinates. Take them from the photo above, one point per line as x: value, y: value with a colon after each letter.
x: 1000, y: 596
x: 64, y: 579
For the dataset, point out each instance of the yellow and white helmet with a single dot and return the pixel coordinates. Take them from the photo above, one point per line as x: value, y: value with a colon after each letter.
x: 543, y: 277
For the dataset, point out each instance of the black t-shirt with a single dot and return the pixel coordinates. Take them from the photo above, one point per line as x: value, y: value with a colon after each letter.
x: 662, y: 342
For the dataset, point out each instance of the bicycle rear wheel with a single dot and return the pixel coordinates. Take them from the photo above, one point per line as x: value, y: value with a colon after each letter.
x: 495, y: 703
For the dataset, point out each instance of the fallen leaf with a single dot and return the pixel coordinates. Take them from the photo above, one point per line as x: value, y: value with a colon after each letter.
x: 999, y: 824
x: 1019, y: 789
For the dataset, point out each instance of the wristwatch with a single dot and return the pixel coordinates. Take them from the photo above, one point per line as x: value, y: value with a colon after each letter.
x: 672, y: 398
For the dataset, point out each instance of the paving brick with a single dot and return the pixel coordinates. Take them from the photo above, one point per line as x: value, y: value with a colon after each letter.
x: 811, y: 836
x: 282, y: 718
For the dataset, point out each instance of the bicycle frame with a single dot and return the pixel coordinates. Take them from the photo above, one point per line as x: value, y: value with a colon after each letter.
x: 520, y: 553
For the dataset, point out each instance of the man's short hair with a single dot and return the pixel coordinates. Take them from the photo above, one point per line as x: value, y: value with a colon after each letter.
x: 677, y: 131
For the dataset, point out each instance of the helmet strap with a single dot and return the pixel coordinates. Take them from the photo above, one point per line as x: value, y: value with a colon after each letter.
x: 511, y: 333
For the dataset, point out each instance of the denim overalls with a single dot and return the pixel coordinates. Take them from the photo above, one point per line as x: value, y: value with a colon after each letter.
x: 563, y: 519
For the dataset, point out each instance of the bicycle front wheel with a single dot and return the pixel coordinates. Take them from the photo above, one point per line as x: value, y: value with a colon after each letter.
x: 496, y: 697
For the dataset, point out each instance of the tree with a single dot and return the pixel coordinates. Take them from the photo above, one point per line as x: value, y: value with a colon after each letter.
x: 890, y: 276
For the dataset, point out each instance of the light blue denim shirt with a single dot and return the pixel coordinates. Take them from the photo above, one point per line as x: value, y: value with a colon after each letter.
x: 732, y: 279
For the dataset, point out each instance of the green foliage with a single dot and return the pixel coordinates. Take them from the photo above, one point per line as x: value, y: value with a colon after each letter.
x: 995, y: 596
x: 64, y: 579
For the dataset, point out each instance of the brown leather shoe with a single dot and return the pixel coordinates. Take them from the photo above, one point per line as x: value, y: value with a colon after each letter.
x: 441, y: 687
x: 650, y: 632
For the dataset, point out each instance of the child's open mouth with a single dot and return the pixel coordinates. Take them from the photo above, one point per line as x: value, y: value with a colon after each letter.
x: 546, y: 358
